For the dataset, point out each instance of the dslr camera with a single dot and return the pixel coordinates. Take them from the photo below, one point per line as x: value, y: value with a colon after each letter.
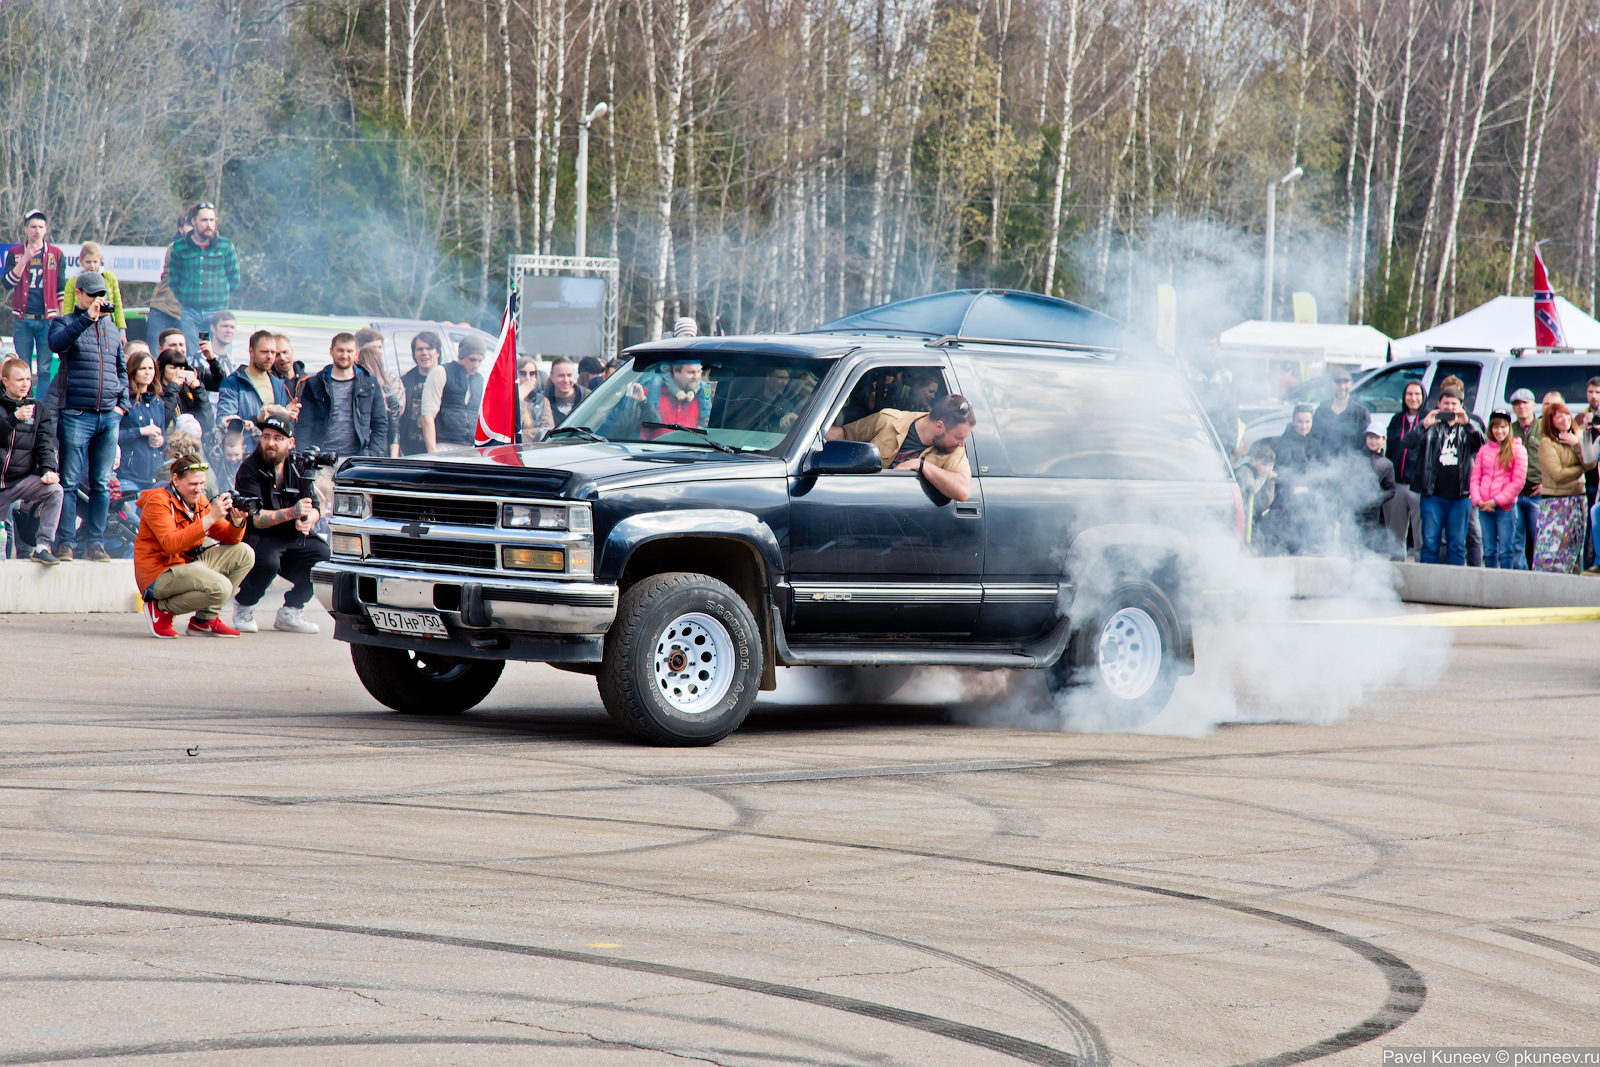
x: 250, y: 505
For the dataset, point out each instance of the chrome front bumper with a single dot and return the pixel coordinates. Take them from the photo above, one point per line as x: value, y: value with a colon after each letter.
x: 469, y: 603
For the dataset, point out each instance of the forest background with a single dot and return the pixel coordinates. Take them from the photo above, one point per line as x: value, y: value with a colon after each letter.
x: 776, y: 163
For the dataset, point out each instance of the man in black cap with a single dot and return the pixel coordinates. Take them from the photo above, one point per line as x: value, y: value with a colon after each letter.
x: 90, y: 396
x: 35, y: 274
x: 280, y: 532
x: 1340, y: 424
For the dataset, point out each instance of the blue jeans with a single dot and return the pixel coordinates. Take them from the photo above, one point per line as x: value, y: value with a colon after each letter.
x: 30, y: 335
x: 1526, y: 532
x: 86, y: 436
x: 154, y: 323
x: 1447, y: 517
x: 1499, y: 537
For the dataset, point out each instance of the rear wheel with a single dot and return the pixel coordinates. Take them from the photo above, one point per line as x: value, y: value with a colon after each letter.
x: 423, y: 683
x: 682, y: 661
x: 1124, y: 660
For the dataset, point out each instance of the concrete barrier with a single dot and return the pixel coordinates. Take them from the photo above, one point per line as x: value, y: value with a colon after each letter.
x: 1482, y: 587
x: 70, y: 588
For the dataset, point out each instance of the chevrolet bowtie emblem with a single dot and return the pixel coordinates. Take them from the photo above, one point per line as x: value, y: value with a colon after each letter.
x: 414, y: 529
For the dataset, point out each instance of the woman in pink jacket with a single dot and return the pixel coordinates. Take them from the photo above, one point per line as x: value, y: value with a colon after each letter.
x: 1497, y: 475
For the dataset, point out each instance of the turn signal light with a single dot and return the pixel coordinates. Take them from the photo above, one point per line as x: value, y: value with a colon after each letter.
x: 533, y: 559
x: 346, y: 544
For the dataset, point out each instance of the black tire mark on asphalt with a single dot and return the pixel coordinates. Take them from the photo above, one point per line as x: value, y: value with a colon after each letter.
x: 249, y: 1044
x: 991, y: 1040
x: 1577, y: 952
x: 1406, y: 987
x: 1091, y: 1047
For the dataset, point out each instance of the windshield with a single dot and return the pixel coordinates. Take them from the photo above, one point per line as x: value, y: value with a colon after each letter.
x: 743, y: 402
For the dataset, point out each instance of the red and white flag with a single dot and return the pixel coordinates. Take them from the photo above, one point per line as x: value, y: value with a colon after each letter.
x: 1546, y: 322
x: 497, y: 418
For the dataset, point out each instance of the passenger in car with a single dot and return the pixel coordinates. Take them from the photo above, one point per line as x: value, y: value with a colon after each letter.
x: 932, y: 445
x: 677, y: 393
x: 772, y: 406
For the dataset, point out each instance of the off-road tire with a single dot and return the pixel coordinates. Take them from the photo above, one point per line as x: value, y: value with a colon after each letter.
x: 421, y: 683
x: 638, y: 650
x: 1080, y: 667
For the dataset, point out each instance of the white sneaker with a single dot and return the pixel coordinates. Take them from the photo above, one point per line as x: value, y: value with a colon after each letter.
x: 244, y: 619
x: 291, y: 621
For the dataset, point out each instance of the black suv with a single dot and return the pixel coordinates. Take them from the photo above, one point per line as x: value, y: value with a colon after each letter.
x: 684, y: 534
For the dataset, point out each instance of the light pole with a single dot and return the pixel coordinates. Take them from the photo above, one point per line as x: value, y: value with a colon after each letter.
x: 1272, y: 225
x: 599, y: 112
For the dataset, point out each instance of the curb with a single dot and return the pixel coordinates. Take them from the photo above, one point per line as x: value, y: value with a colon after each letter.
x: 74, y: 588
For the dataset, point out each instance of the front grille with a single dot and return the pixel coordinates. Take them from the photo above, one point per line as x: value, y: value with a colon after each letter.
x: 434, y: 509
x: 430, y: 550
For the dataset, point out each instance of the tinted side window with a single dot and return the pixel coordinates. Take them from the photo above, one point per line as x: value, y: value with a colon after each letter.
x: 1469, y: 373
x: 1384, y: 392
x: 1571, y: 381
x: 1068, y: 418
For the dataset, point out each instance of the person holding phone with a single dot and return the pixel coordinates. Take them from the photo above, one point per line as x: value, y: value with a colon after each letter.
x: 91, y: 397
x: 1449, y: 442
x: 28, y: 443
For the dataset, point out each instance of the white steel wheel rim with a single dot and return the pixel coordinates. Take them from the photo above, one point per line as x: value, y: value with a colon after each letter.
x: 1130, y: 653
x: 693, y: 663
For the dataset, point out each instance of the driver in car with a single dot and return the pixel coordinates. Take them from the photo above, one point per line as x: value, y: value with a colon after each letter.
x: 677, y: 394
x: 932, y: 444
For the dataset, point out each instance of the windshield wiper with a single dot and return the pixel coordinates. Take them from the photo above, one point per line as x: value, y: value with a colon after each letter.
x: 582, y: 431
x: 718, y: 445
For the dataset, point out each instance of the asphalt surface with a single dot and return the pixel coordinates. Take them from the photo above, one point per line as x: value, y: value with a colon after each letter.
x: 226, y: 852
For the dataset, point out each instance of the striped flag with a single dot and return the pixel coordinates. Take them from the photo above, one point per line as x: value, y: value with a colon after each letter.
x: 1546, y: 322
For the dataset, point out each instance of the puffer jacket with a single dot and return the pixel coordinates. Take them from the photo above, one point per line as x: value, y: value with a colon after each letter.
x: 1493, y: 481
x: 93, y: 370
x: 29, y: 449
x: 141, y: 462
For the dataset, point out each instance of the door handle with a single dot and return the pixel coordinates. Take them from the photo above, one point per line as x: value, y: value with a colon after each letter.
x: 968, y: 509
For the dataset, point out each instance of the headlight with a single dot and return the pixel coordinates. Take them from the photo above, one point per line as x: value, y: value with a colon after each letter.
x: 580, y: 520
x: 350, y: 505
x: 346, y: 544
x: 533, y: 559
x: 526, y: 517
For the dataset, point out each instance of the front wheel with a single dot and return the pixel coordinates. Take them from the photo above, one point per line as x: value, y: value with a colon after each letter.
x: 1122, y: 665
x: 682, y: 663
x: 422, y: 683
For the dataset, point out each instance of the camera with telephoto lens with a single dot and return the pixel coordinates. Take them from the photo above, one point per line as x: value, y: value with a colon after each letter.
x: 250, y: 505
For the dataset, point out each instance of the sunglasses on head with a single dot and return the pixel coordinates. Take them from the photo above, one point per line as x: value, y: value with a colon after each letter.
x: 189, y: 468
x: 205, y: 205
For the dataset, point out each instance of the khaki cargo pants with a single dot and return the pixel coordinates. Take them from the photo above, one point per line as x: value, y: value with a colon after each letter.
x: 204, y: 585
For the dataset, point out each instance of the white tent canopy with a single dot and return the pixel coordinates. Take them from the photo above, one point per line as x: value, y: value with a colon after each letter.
x: 1504, y: 323
x: 1305, y: 342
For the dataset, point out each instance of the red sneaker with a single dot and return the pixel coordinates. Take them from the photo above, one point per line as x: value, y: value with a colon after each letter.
x: 211, y: 628
x: 160, y: 621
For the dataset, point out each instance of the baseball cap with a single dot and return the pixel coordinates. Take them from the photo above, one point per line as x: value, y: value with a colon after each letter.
x: 1339, y: 374
x: 30, y: 216
x: 91, y: 282
x: 275, y: 421
x: 1522, y: 394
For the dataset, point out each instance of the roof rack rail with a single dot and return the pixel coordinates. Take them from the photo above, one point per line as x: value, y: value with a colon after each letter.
x: 951, y: 340
x: 1551, y: 350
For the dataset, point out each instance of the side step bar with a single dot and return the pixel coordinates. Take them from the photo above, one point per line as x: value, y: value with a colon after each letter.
x: 1032, y: 655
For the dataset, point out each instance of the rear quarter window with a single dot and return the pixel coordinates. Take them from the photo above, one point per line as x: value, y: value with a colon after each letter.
x: 1571, y: 380
x: 1062, y: 417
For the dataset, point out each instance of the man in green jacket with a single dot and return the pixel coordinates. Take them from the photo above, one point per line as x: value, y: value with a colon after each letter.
x: 1527, y: 427
x: 203, y: 270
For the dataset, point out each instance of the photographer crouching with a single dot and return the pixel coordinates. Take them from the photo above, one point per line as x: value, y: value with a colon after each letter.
x: 279, y: 496
x: 176, y: 574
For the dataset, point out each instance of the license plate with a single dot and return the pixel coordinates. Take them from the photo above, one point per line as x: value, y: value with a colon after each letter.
x: 410, y: 623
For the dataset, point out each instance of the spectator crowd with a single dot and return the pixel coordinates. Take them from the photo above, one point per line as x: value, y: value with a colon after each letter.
x: 197, y: 456
x: 1433, y: 485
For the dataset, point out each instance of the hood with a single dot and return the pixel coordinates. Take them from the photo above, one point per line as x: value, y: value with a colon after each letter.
x: 569, y: 468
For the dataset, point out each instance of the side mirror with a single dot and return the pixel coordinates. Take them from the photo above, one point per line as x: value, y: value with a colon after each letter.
x: 847, y: 457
